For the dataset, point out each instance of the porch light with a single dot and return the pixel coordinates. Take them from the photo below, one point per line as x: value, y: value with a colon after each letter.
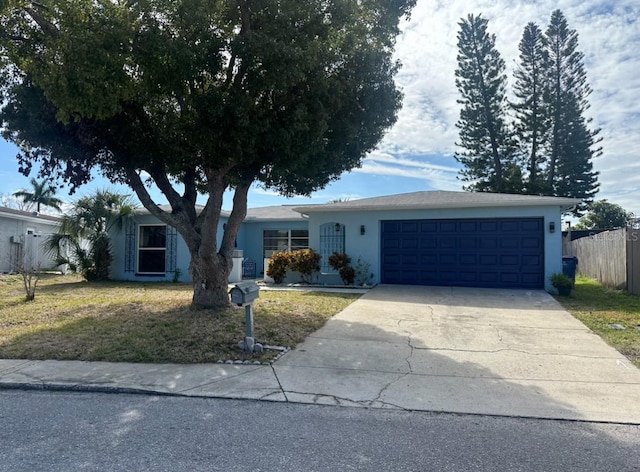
x: 362, y: 230
x: 552, y: 226
x: 337, y: 227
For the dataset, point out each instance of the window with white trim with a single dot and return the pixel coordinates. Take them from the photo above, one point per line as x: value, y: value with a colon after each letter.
x: 152, y: 249
x: 279, y: 240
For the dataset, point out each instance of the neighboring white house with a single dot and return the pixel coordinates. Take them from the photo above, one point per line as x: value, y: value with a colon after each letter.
x: 22, y: 235
x: 420, y: 238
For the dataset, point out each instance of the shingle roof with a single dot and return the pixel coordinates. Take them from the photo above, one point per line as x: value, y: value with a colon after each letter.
x: 271, y: 213
x: 28, y: 214
x: 440, y: 199
x: 268, y: 213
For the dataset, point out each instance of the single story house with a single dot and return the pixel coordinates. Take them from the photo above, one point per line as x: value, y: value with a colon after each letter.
x: 22, y: 235
x: 420, y: 238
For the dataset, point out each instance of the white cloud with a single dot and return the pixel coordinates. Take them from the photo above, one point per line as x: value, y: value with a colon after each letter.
x: 425, y: 133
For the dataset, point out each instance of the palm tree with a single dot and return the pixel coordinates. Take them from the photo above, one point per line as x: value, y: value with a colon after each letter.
x: 83, y: 240
x: 43, y: 194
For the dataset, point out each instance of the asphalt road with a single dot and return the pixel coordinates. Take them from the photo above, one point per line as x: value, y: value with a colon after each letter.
x: 61, y: 431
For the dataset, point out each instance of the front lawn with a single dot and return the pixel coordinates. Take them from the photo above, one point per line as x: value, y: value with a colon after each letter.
x: 605, y: 311
x: 147, y: 322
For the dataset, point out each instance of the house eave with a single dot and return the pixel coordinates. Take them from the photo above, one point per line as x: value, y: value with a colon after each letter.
x: 563, y: 203
x: 43, y: 219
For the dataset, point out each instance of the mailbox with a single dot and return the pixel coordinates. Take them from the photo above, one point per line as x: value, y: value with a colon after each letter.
x: 244, y: 292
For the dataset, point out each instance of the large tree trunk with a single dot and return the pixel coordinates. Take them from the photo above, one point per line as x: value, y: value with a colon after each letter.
x: 210, y: 276
x: 210, y: 266
x: 211, y: 263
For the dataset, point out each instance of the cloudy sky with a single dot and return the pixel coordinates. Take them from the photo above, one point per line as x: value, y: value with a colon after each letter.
x: 417, y: 153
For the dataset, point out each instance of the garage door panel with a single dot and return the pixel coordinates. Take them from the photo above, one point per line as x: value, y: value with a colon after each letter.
x: 468, y: 259
x: 447, y: 259
x: 409, y: 243
x: 468, y: 227
x: 490, y: 242
x: 428, y: 243
x: 531, y: 243
x: 468, y: 244
x: 531, y: 261
x: 507, y: 226
x: 488, y: 278
x: 510, y: 260
x: 448, y: 227
x: 510, y: 243
x: 391, y: 243
x: 531, y: 225
x: 488, y: 259
x: 488, y: 226
x: 410, y: 227
x: 448, y: 243
x: 428, y: 227
x: 467, y: 252
x: 428, y: 260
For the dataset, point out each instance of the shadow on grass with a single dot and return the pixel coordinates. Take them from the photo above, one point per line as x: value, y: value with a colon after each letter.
x: 79, y: 283
x: 138, y: 329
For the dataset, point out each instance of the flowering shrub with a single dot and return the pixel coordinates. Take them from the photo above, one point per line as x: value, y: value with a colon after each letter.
x: 342, y: 263
x: 304, y: 261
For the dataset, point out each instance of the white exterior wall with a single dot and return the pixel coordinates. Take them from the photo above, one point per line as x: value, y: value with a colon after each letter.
x: 367, y: 246
x: 30, y: 246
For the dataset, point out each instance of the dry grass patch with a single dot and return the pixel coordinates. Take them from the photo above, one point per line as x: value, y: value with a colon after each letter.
x: 604, y: 310
x: 72, y: 319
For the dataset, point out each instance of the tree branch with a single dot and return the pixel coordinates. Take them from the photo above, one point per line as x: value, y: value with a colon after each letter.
x: 46, y: 26
x: 238, y: 214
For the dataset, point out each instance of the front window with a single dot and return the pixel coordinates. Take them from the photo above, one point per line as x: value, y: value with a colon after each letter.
x: 152, y: 248
x: 332, y: 237
x: 276, y: 240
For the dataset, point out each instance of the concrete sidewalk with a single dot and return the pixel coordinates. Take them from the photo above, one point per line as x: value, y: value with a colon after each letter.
x: 480, y: 351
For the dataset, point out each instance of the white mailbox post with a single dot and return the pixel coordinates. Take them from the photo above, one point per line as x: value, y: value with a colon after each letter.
x: 244, y: 294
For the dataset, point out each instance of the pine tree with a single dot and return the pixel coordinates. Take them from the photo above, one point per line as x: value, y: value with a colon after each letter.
x: 488, y: 162
x: 532, y: 121
x: 569, y: 168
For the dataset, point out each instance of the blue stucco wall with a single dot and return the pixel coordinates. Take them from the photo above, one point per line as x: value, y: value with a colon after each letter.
x: 118, y: 242
x: 367, y: 246
x: 251, y: 240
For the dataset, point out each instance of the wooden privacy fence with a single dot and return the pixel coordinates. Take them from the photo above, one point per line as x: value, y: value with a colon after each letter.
x: 612, y: 257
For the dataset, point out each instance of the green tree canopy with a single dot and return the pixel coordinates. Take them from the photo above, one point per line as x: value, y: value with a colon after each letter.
x: 198, y: 96
x: 532, y: 121
x: 602, y: 214
x: 548, y: 148
x: 488, y: 158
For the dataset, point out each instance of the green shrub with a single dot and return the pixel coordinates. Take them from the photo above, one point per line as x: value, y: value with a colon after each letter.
x: 363, y: 272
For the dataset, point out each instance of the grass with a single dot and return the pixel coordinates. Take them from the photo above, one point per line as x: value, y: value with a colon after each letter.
x: 600, y: 307
x: 71, y: 319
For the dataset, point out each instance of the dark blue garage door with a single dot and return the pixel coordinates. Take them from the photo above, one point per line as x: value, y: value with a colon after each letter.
x: 505, y: 252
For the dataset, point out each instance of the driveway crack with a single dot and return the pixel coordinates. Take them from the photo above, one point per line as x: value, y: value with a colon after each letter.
x: 275, y: 374
x: 494, y: 351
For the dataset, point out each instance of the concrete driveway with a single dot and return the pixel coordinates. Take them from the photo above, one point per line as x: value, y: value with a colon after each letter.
x: 484, y: 351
